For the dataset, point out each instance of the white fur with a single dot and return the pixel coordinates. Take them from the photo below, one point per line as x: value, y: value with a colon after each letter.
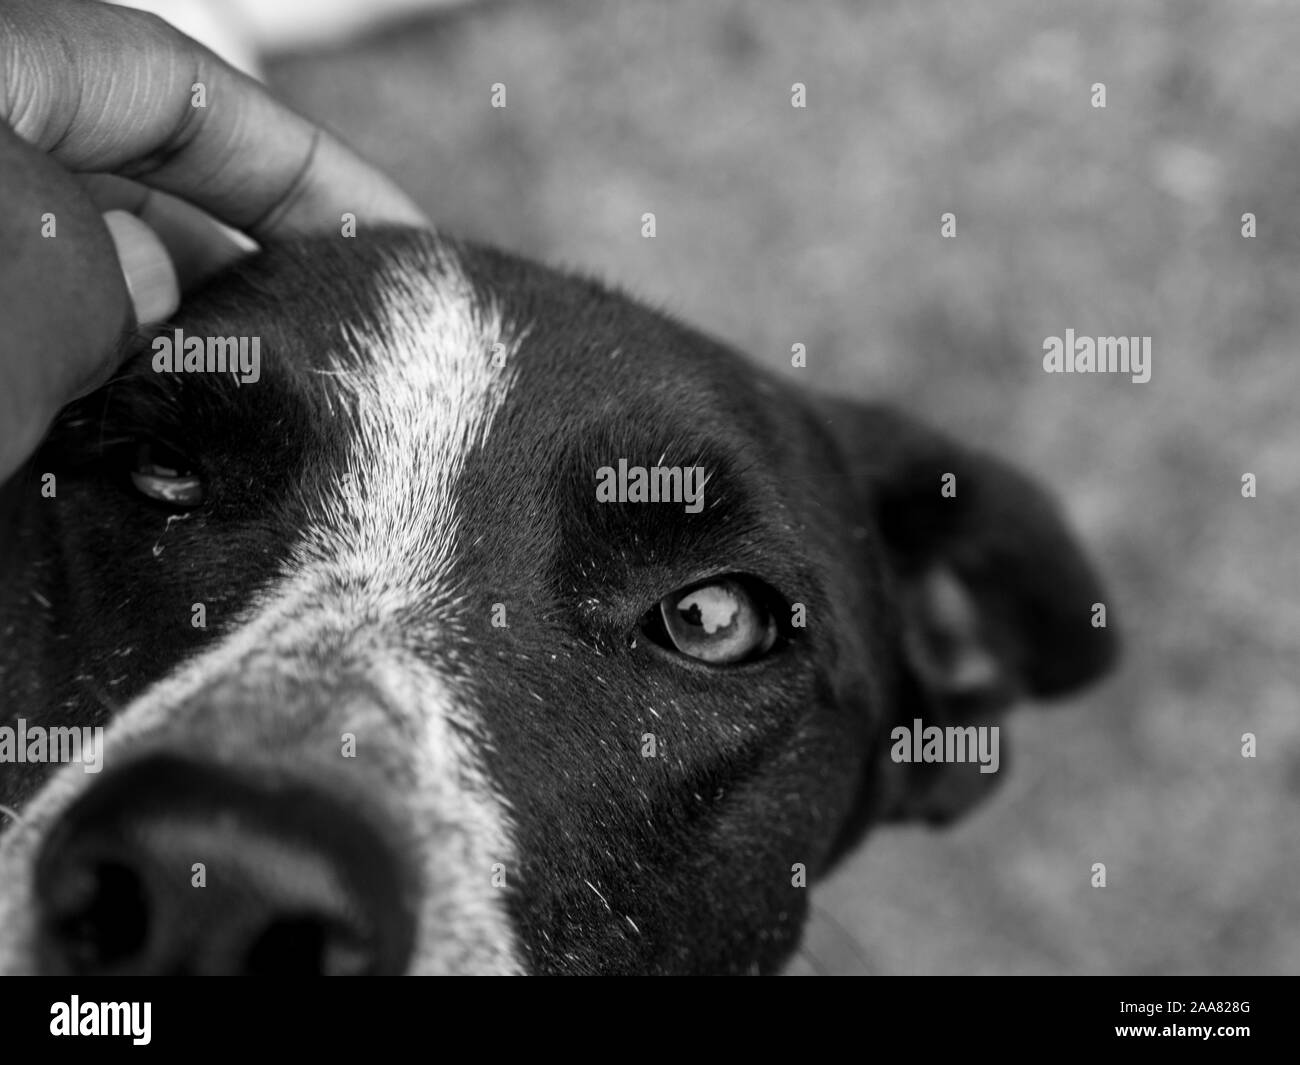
x: 368, y: 592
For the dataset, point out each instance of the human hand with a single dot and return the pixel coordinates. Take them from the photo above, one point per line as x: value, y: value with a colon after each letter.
x: 97, y: 115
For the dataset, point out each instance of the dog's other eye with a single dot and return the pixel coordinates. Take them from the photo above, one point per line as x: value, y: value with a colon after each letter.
x: 164, y: 474
x: 721, y: 622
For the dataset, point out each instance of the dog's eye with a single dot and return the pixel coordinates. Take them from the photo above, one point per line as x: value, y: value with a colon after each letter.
x: 721, y: 622
x: 164, y: 474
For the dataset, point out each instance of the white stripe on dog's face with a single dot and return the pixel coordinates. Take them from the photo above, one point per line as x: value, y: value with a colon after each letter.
x: 367, y: 599
x: 426, y: 391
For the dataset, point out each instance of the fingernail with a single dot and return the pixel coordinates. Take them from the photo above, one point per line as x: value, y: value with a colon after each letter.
x: 146, y: 266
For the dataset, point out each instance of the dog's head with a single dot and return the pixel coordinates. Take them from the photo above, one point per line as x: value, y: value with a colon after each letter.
x: 401, y: 674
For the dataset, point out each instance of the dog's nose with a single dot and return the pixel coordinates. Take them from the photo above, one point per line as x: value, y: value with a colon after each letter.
x: 171, y: 866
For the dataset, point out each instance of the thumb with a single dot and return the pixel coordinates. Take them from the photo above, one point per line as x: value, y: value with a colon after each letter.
x: 149, y: 274
x: 73, y: 284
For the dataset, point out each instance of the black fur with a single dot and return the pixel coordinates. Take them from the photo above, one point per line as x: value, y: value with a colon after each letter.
x: 779, y: 761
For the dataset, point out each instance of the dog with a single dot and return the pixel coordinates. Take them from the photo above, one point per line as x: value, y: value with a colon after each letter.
x: 388, y: 686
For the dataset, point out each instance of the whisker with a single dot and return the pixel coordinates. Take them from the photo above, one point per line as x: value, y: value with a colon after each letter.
x: 101, y: 696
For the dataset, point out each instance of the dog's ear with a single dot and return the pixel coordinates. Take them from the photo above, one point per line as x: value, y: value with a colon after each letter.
x: 996, y: 599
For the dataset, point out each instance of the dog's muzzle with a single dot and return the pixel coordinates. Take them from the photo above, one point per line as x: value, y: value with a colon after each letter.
x: 170, y: 865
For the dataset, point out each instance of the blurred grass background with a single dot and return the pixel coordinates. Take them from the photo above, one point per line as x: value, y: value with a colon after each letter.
x: 778, y: 225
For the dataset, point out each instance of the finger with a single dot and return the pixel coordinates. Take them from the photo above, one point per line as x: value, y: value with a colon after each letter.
x: 64, y: 301
x: 109, y: 89
x: 146, y: 267
x: 199, y: 245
